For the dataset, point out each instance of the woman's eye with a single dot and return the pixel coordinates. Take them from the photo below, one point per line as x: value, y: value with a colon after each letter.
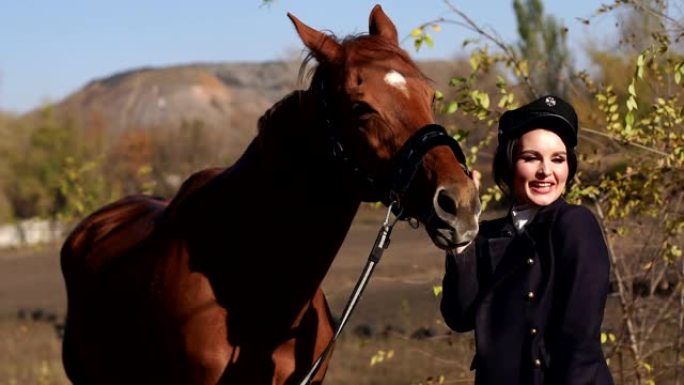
x: 558, y: 160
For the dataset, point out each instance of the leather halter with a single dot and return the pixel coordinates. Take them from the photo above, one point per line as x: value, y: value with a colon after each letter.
x: 410, y: 156
x: 405, y: 163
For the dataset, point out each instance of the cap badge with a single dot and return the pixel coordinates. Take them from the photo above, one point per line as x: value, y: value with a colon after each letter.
x: 550, y: 101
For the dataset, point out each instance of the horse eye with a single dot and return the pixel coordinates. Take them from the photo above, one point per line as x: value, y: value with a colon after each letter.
x: 361, y: 108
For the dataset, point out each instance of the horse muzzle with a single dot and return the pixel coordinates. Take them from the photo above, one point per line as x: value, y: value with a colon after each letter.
x: 454, y: 220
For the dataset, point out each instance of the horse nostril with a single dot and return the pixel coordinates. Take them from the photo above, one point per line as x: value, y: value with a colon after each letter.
x: 446, y: 202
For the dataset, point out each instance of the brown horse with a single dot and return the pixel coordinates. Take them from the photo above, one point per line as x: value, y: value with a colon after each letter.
x: 222, y: 284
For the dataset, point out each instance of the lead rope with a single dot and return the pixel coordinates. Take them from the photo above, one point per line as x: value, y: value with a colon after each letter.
x: 381, y: 244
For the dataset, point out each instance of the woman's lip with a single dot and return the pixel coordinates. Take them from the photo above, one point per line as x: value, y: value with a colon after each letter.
x: 544, y: 184
x: 541, y: 187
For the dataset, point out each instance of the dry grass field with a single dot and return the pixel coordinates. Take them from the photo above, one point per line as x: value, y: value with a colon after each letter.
x: 397, y: 319
x: 394, y: 337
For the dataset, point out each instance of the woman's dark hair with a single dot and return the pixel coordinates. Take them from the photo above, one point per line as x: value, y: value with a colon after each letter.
x: 503, y: 167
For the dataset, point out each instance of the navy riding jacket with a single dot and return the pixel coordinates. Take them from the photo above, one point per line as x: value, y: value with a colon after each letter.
x: 535, y: 299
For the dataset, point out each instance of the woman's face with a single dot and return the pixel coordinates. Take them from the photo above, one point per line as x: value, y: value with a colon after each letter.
x: 541, y: 168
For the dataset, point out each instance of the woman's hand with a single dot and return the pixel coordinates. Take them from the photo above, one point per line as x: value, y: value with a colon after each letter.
x: 477, y: 177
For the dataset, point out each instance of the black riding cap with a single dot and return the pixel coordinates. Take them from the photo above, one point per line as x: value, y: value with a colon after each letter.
x: 548, y: 112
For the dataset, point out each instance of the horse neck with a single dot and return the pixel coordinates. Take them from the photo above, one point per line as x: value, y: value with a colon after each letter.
x: 285, y: 193
x: 297, y: 163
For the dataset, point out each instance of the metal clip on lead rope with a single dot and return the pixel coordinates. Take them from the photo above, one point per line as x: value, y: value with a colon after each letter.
x: 381, y: 244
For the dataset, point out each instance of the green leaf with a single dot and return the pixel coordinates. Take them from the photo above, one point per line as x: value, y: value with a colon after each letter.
x: 428, y: 40
x: 437, y: 290
x: 452, y: 107
x: 505, y: 100
x: 484, y: 100
x: 629, y: 119
x: 457, y: 80
x: 474, y: 62
x: 417, y: 32
x: 524, y: 68
x: 648, y: 367
x: 632, y: 89
x: 631, y: 103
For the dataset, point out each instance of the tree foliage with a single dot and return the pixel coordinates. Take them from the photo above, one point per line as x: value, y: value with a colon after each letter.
x: 631, y: 109
x: 52, y: 168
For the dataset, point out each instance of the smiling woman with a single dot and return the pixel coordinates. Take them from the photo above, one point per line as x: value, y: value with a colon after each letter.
x: 533, y: 284
x: 541, y: 168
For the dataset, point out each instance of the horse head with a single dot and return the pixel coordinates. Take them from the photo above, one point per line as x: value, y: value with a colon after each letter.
x: 374, y: 100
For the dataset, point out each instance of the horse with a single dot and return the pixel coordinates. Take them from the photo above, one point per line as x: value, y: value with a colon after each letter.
x: 222, y: 284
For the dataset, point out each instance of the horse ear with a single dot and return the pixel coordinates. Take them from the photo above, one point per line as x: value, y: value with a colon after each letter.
x: 381, y: 25
x: 324, y: 47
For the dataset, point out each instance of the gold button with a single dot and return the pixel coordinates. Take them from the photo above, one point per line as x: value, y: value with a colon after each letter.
x: 530, y: 295
x: 537, y: 363
x: 530, y: 261
x: 533, y: 331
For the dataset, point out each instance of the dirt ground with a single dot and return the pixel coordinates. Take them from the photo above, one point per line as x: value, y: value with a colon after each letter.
x: 394, y: 337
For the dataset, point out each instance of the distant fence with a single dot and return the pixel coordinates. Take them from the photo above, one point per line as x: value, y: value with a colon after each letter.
x: 31, y: 232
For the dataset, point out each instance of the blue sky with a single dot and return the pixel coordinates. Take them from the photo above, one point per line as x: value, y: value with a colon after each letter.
x: 50, y: 48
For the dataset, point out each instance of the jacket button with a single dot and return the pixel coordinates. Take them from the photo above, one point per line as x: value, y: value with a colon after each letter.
x: 537, y: 363
x: 530, y: 261
x: 530, y: 295
x: 533, y: 331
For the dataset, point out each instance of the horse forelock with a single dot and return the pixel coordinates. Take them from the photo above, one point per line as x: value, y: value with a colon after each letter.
x: 368, y: 48
x: 359, y: 48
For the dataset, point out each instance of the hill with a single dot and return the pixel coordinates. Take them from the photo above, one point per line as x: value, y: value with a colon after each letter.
x: 226, y: 98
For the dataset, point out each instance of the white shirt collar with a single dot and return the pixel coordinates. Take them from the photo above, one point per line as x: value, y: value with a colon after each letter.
x: 522, y: 215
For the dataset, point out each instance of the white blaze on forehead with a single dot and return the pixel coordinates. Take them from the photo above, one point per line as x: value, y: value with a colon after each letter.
x: 396, y: 80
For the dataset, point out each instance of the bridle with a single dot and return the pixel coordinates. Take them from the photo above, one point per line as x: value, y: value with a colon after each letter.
x: 405, y: 163
x: 408, y: 159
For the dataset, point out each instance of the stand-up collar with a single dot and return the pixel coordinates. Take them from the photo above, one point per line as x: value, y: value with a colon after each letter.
x: 523, y: 214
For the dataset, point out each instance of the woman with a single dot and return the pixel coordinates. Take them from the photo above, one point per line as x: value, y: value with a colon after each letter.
x: 533, y: 284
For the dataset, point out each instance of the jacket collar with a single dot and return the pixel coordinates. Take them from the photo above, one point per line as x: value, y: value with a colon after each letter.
x: 548, y: 213
x: 503, y: 226
x: 544, y: 215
